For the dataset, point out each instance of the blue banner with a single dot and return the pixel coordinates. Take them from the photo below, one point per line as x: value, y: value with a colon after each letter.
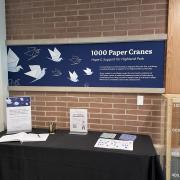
x: 119, y: 64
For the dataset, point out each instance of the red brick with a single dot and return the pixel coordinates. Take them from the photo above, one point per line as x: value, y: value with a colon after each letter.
x: 125, y: 106
x: 100, y: 127
x: 113, y: 100
x: 84, y: 99
x: 162, y: 6
x: 125, y: 128
x: 58, y: 114
x: 114, y: 9
x: 90, y: 23
x: 138, y: 112
x: 101, y: 116
x: 90, y: 34
x: 148, y: 129
x: 66, y: 35
x: 94, y: 121
x: 55, y: 9
x: 55, y: 103
x: 113, y: 122
x: 101, y: 4
x: 153, y: 1
x: 90, y: 11
x: 44, y: 36
x: 132, y: 123
x: 145, y: 7
x: 61, y: 125
x: 38, y: 113
x: 65, y: 24
x: 47, y: 119
x: 39, y: 98
x: 148, y: 118
x: 38, y: 103
x: 94, y: 110
x: 76, y: 105
x: 66, y: 13
x: 43, y: 3
x: 37, y: 124
x: 114, y: 111
x: 54, y: 19
x: 67, y: 2
x: 67, y: 99
x: 140, y: 32
x: 103, y: 16
x: 115, y: 33
x: 78, y: 29
x: 77, y: 6
x: 100, y: 105
x: 127, y: 2
x: 154, y: 13
x: 77, y: 18
x: 43, y: 108
x: 124, y: 117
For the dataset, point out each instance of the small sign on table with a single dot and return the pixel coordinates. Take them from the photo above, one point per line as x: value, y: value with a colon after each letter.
x: 78, y: 121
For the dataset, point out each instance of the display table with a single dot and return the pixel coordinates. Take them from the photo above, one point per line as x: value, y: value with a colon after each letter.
x: 73, y: 157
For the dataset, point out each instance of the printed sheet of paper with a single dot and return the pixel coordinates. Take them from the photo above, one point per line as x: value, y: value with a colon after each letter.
x: 114, y: 144
x: 78, y: 121
x: 18, y: 114
x: 108, y: 135
x: 127, y: 137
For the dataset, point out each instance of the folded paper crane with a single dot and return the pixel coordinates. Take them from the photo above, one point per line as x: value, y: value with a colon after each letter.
x: 73, y: 76
x: 36, y: 72
x: 13, y: 60
x: 88, y: 71
x: 55, y: 55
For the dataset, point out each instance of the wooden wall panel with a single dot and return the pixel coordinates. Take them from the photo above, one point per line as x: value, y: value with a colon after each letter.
x: 173, y: 49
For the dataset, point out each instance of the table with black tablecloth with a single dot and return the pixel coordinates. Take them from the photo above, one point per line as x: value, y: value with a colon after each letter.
x: 73, y: 157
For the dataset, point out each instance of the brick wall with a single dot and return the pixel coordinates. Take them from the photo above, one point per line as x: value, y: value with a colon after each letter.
x: 46, y: 19
x: 37, y: 19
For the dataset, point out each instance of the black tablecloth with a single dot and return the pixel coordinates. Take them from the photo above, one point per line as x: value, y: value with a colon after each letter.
x: 73, y: 157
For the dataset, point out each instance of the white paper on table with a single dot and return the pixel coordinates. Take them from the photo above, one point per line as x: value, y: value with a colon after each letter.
x: 24, y: 137
x: 114, y: 144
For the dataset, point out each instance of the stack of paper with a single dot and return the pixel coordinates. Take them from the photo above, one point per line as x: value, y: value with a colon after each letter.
x: 24, y: 137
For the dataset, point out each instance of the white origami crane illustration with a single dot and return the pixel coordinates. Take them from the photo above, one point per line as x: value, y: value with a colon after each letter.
x: 36, y: 72
x: 55, y: 55
x: 56, y: 72
x: 13, y: 60
x: 32, y: 52
x: 75, y: 60
x: 88, y: 71
x: 73, y: 76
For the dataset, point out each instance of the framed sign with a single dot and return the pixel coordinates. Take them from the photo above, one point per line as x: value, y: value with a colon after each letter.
x: 109, y: 65
x: 78, y: 121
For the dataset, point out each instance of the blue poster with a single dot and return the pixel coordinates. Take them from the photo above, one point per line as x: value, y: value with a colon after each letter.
x: 119, y: 64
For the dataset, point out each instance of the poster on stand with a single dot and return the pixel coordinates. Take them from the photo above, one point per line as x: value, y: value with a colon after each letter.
x: 78, y: 121
x: 18, y: 112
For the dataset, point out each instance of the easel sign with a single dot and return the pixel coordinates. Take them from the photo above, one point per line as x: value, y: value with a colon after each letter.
x: 78, y: 121
x: 18, y: 112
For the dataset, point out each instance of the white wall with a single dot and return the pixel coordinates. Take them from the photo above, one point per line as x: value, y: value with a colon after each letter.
x: 3, y: 66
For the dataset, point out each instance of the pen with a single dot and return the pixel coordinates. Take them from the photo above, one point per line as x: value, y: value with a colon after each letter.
x: 38, y: 135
